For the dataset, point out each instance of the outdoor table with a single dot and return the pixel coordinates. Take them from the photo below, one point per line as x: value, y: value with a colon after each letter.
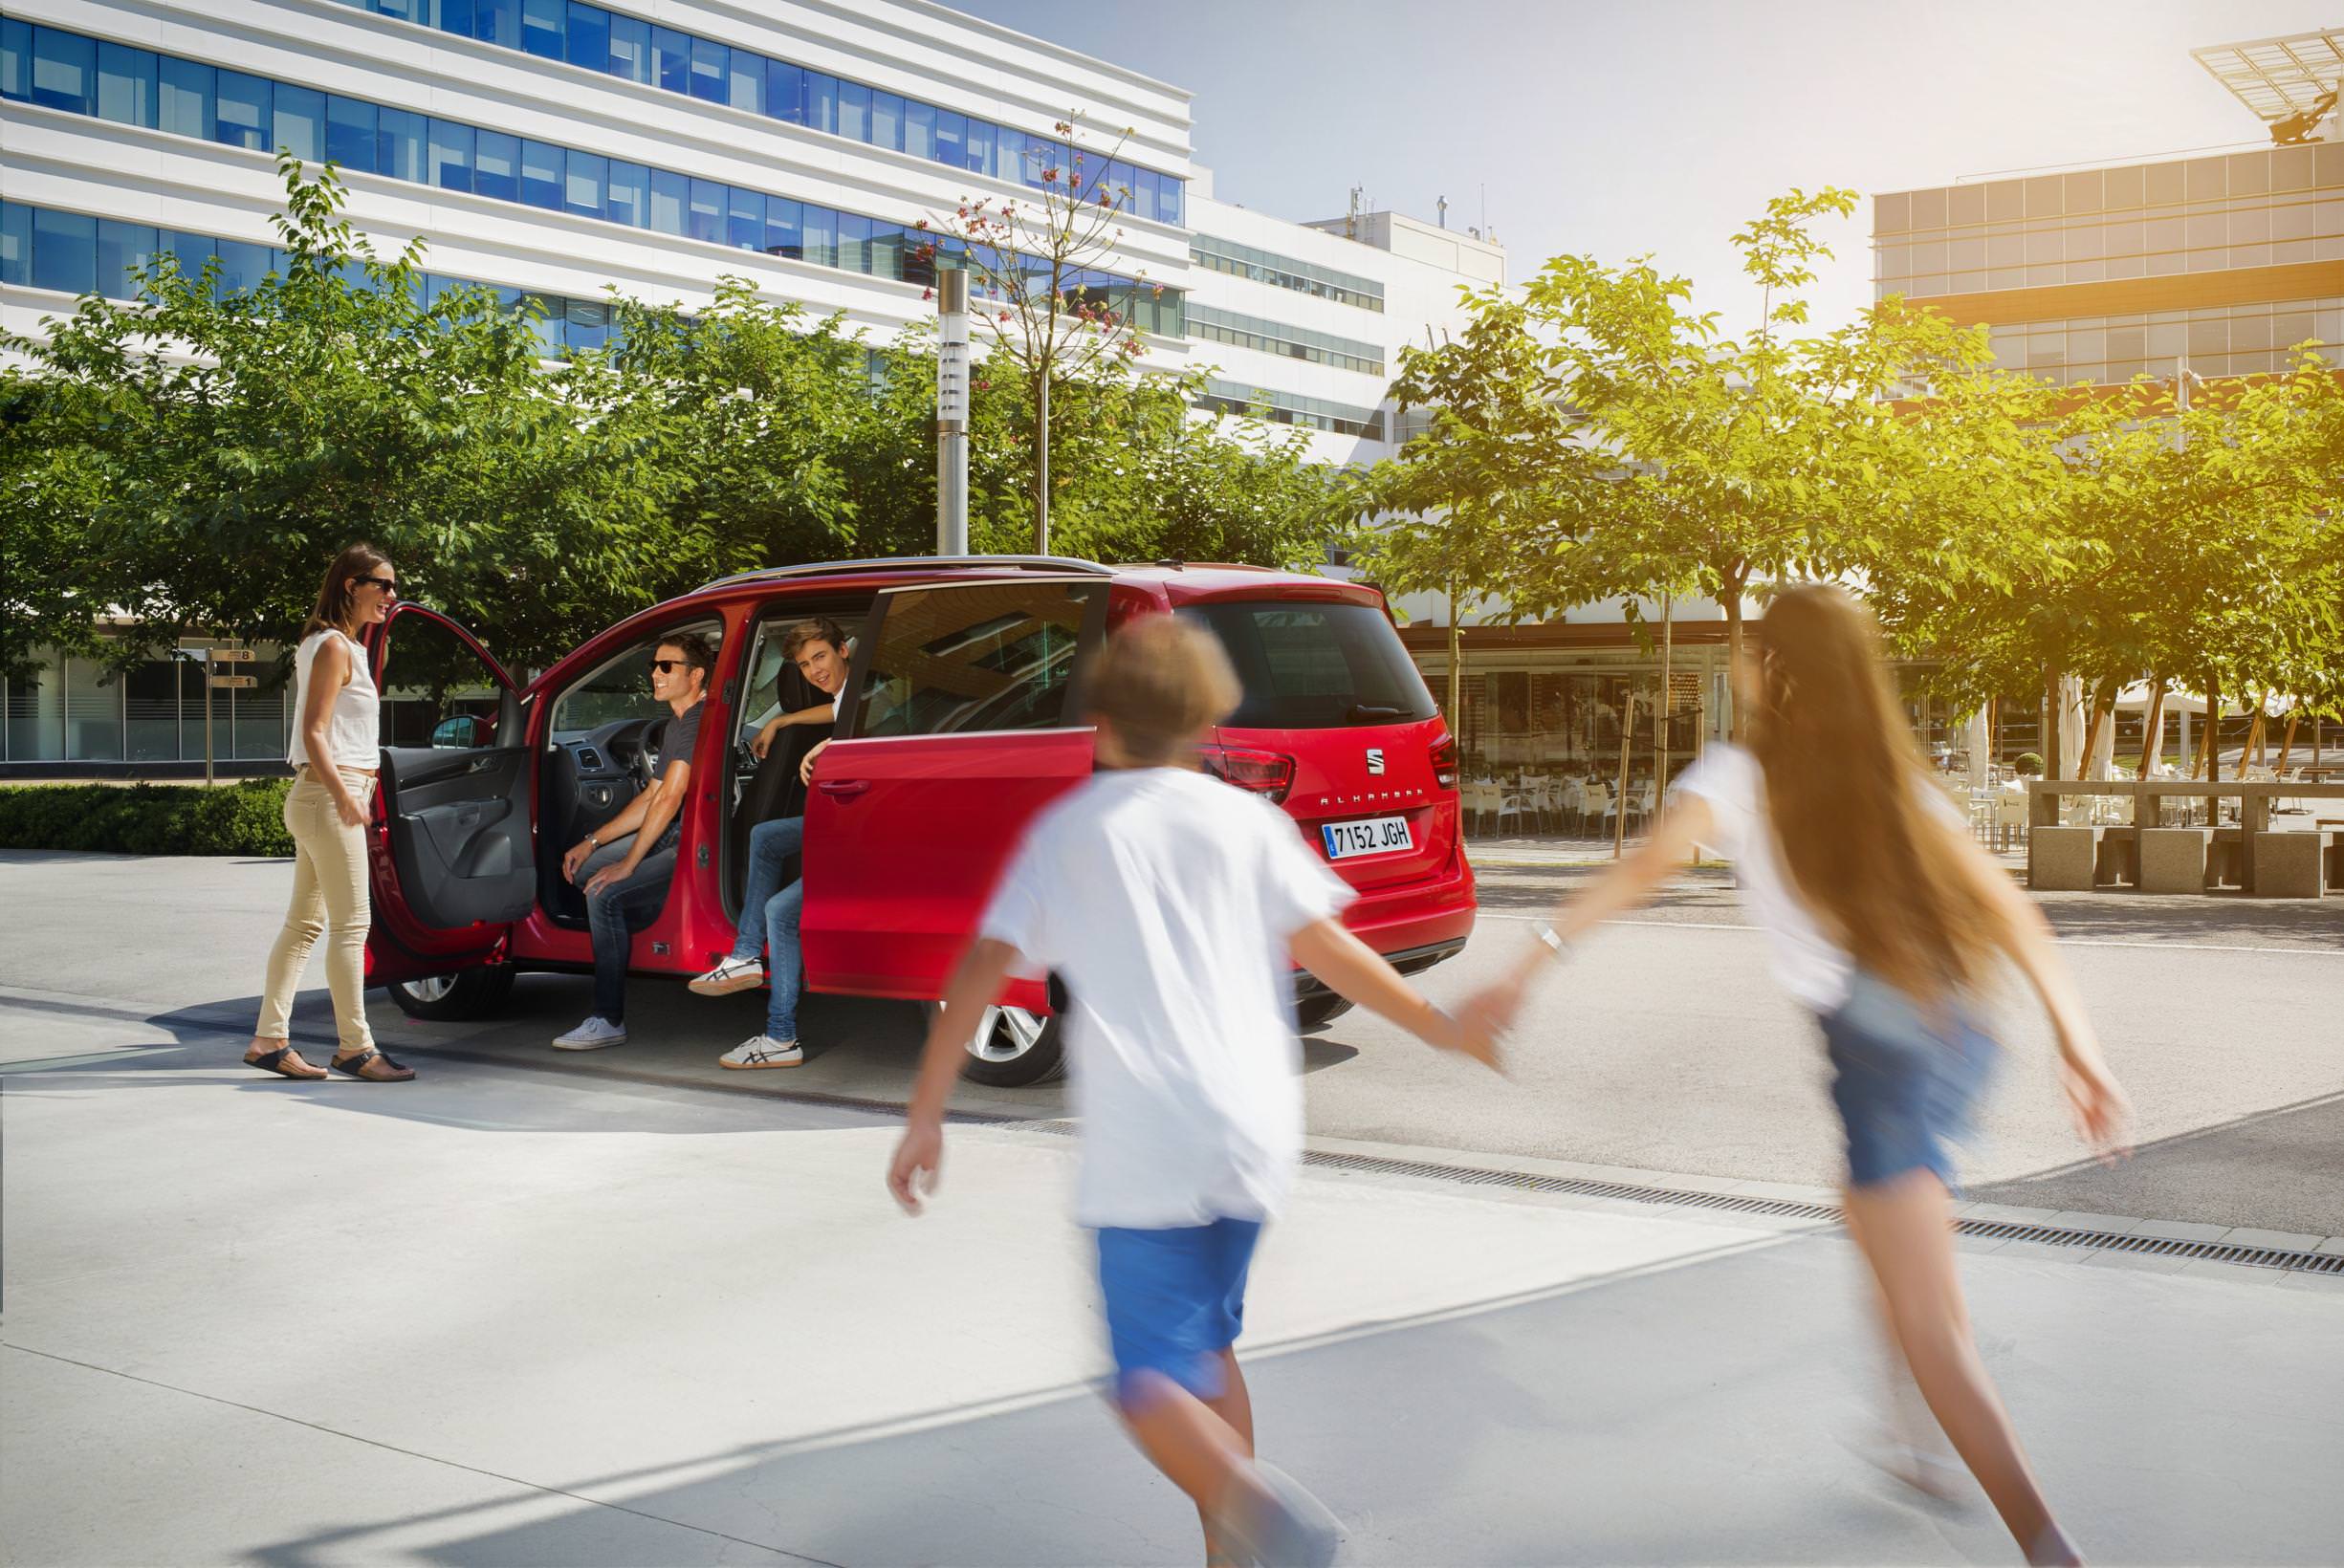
x: 2254, y: 798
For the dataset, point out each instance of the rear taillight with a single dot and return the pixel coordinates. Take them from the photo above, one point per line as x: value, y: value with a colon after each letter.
x: 1444, y: 763
x: 1264, y: 772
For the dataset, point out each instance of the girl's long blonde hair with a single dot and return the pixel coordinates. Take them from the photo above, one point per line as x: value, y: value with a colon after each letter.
x: 1851, y: 803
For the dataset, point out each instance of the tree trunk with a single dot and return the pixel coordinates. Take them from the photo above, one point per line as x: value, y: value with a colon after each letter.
x: 1457, y: 676
x: 1732, y: 597
x: 2213, y: 738
x: 2050, y: 722
x: 1627, y: 727
x: 2287, y: 741
x: 1664, y: 728
x: 2153, y: 733
x: 2092, y: 731
x: 1041, y: 462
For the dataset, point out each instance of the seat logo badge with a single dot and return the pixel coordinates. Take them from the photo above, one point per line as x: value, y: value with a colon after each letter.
x: 1375, y: 762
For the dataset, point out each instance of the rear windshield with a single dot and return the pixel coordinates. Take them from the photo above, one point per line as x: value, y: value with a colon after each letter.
x: 1315, y: 666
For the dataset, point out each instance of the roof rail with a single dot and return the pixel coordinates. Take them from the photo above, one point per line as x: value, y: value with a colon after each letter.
x: 830, y: 569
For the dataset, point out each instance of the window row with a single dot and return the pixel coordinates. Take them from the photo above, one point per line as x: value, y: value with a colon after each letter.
x: 2168, y: 264
x: 1277, y: 338
x: 186, y: 98
x: 2296, y: 220
x: 638, y: 51
x: 2265, y: 170
x: 1288, y: 408
x: 2236, y: 340
x: 1284, y: 272
x: 70, y: 711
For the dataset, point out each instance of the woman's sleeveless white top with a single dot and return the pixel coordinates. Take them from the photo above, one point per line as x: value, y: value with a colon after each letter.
x: 352, y: 730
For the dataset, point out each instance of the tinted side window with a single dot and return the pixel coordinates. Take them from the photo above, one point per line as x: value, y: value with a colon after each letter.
x: 1308, y: 665
x: 975, y: 657
x: 620, y: 688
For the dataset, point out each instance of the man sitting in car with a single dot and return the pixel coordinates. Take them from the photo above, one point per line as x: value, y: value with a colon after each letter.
x: 769, y: 911
x: 628, y: 861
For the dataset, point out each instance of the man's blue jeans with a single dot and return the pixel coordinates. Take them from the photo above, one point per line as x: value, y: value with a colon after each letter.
x: 769, y: 919
x: 620, y: 910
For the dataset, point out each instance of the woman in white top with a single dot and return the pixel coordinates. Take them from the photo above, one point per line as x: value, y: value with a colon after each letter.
x: 1887, y: 920
x: 334, y: 752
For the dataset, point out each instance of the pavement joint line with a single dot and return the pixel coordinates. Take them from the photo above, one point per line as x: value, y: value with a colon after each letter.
x: 2064, y: 941
x: 411, y: 1453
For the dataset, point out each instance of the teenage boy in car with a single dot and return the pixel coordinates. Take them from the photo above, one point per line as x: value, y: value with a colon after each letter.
x: 628, y: 861
x: 768, y: 910
x: 1174, y: 906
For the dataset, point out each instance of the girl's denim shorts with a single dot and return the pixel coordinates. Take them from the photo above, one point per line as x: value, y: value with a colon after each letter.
x: 1906, y: 1079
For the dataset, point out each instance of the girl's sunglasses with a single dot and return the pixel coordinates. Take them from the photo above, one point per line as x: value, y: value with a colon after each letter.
x: 388, y: 587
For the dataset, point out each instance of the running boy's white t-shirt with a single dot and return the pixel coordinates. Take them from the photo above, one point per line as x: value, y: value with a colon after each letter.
x: 1805, y: 963
x: 1164, y: 900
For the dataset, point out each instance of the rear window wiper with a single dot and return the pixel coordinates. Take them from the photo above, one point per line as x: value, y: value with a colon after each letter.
x: 1369, y: 714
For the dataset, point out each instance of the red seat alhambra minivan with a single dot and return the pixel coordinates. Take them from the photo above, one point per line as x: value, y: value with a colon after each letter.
x: 960, y: 719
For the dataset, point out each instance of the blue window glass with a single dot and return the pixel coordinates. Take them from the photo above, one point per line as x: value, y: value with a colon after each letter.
x: 745, y: 87
x: 122, y: 248
x: 821, y: 101
x: 541, y: 27
x: 854, y: 243
x: 498, y: 22
x: 919, y: 259
x: 586, y: 190
x: 589, y: 323
x: 1144, y: 198
x: 671, y: 59
x: 64, y: 251
x: 888, y: 120
x: 403, y: 10
x: 744, y: 222
x: 785, y: 92
x: 887, y: 251
x: 17, y: 70
x: 952, y: 139
x: 243, y: 112
x: 630, y: 48
x: 589, y: 39
x: 192, y: 252
x: 547, y: 316
x: 497, y: 165
x: 241, y: 267
x: 707, y: 70
x: 628, y: 200
x: 1009, y: 160
x: 670, y: 194
x: 543, y: 170
x: 349, y: 132
x: 821, y: 236
x: 452, y: 16
x: 64, y: 77
x: 300, y: 122
x: 854, y: 111
x: 1168, y: 208
x: 15, y: 243
x: 706, y: 219
x: 126, y: 84
x: 399, y: 144
x: 980, y: 145
x: 784, y: 229
x: 920, y: 129
x: 450, y: 155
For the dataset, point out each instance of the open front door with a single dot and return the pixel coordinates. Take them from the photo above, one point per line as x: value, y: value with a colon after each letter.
x: 960, y: 721
x: 452, y: 858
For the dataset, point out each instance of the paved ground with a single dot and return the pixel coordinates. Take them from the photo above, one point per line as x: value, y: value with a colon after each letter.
x: 1661, y: 1048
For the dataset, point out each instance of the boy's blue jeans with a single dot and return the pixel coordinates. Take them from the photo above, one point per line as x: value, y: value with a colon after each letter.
x: 769, y: 919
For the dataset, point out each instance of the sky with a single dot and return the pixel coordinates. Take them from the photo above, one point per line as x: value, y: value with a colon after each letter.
x: 1628, y: 127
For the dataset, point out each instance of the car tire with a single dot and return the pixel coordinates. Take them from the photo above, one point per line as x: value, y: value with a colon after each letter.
x: 1014, y: 1048
x: 1319, y: 1010
x: 470, y: 993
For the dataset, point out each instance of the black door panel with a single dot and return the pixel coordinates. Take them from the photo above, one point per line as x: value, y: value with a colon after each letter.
x: 460, y: 833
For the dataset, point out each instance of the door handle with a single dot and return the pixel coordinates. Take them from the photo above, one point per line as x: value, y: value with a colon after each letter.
x: 843, y: 788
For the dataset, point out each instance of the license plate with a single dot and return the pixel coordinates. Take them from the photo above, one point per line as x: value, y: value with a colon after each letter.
x: 1370, y: 835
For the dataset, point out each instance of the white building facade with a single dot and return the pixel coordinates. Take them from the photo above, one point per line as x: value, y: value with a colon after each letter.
x: 552, y: 148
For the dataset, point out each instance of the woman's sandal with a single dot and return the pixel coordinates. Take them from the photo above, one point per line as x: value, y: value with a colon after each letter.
x: 374, y: 1067
x: 286, y: 1062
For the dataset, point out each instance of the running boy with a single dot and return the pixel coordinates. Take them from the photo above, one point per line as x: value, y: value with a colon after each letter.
x: 1171, y: 903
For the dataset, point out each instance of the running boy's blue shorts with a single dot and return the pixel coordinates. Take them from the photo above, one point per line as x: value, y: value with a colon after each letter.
x: 1175, y: 1300
x: 1905, y: 1083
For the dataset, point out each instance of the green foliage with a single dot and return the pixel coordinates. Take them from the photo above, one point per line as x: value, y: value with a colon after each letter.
x: 247, y: 819
x: 2028, y: 766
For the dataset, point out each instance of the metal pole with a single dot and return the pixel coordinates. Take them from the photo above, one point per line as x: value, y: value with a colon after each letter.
x: 952, y: 412
x: 209, y: 780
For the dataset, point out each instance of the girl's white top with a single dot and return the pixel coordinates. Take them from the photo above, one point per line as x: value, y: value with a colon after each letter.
x: 353, y: 730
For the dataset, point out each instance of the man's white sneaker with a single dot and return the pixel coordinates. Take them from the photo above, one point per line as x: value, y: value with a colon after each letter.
x: 596, y: 1032
x: 761, y: 1052
x: 731, y: 975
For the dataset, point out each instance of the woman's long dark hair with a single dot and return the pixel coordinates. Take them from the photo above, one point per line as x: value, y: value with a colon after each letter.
x: 1850, y: 801
x: 333, y: 595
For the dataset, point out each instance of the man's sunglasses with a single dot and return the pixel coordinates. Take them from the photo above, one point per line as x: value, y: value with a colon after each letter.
x: 384, y: 583
x: 668, y: 666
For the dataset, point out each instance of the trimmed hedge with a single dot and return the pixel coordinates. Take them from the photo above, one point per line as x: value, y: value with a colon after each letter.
x: 246, y: 818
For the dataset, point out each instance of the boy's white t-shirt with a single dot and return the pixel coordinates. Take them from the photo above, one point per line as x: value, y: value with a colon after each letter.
x: 1805, y: 963
x: 1164, y: 900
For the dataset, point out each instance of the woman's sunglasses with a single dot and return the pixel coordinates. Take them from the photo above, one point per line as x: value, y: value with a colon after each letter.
x: 384, y: 583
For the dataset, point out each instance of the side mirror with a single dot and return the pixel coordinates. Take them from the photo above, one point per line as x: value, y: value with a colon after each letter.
x: 460, y: 733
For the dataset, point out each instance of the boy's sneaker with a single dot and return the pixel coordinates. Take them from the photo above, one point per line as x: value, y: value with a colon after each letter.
x: 596, y: 1032
x: 759, y: 1051
x: 731, y: 975
x: 1276, y: 1521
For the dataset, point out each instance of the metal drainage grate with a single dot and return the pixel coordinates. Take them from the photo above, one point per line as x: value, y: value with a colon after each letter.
x: 2254, y: 1257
